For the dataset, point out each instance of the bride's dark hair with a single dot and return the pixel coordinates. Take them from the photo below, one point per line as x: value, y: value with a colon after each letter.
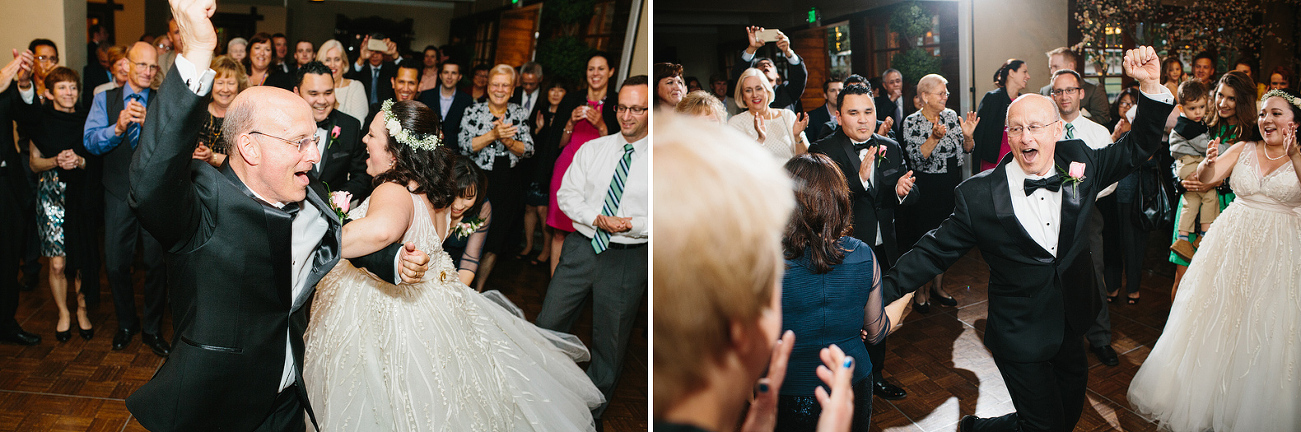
x: 430, y: 170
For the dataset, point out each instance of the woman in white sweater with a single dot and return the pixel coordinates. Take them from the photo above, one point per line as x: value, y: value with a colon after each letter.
x: 778, y: 130
x: 349, y: 93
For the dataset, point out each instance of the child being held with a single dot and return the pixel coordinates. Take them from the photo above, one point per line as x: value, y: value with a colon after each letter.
x: 1188, y: 141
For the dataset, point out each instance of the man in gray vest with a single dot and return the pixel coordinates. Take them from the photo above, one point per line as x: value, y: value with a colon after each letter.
x: 113, y: 131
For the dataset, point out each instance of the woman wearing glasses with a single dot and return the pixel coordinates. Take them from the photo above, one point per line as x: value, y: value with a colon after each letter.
x: 934, y: 140
x: 495, y: 134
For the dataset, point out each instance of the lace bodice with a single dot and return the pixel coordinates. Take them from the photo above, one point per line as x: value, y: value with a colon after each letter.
x: 1277, y: 190
x: 423, y: 233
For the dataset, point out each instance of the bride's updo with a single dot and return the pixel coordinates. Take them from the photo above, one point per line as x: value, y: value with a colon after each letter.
x: 430, y: 170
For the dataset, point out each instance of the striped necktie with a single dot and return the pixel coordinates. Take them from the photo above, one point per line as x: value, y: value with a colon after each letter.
x: 133, y: 129
x: 1070, y: 131
x: 601, y: 241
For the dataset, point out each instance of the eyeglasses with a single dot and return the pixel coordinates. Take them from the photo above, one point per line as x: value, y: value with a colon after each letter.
x: 1066, y: 91
x: 1034, y: 129
x: 942, y: 93
x: 143, y: 65
x: 636, y: 110
x: 51, y: 59
x: 302, y: 144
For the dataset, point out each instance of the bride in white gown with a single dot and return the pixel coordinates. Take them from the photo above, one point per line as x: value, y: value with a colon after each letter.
x: 1229, y: 358
x: 435, y: 355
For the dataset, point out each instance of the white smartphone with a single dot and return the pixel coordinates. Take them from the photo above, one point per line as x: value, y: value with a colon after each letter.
x: 377, y: 45
x: 767, y: 35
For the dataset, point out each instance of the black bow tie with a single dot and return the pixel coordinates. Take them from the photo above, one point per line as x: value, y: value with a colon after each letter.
x: 862, y: 146
x: 292, y: 208
x: 1053, y: 184
x: 324, y: 124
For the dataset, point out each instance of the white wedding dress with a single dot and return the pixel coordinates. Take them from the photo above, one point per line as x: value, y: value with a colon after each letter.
x: 436, y: 355
x: 1229, y: 358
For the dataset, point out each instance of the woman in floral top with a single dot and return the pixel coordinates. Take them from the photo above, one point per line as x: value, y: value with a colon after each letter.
x: 934, y: 140
x: 495, y: 135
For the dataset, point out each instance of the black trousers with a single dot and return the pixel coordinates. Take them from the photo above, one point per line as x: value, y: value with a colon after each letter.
x: 121, y: 229
x: 10, y: 252
x: 287, y: 415
x: 1048, y: 395
x: 507, y: 200
x: 1125, y: 243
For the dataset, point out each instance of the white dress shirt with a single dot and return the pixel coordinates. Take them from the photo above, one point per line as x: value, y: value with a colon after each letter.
x: 582, y: 191
x: 528, y: 99
x: 1096, y: 137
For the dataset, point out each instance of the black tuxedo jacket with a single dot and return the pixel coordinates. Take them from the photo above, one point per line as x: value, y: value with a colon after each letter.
x: 886, y: 108
x: 228, y: 265
x: 343, y: 160
x: 387, y: 71
x: 819, y: 124
x: 451, y: 126
x: 876, y: 205
x: 1035, y: 299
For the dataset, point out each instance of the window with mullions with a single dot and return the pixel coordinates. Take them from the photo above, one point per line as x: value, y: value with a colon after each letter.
x: 838, y: 50
x: 484, y: 42
x: 1107, y: 70
x: 600, y: 30
x: 887, y: 43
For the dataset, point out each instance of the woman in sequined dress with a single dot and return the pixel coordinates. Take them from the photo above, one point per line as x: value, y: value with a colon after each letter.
x: 434, y: 355
x: 56, y: 127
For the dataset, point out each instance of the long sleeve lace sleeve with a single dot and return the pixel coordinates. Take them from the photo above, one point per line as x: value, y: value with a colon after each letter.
x: 875, y: 322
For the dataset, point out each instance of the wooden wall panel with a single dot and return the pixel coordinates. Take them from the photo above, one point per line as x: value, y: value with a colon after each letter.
x: 811, y: 46
x: 515, y: 41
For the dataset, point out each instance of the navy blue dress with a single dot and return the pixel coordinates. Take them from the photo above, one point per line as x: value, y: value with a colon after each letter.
x: 824, y: 309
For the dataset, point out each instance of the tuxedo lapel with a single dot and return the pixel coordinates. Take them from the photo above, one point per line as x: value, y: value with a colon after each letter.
x: 279, y: 229
x: 329, y: 125
x: 1073, y: 196
x: 1007, y: 215
x: 327, y: 253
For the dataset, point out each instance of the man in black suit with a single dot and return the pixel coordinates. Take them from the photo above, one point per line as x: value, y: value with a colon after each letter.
x: 883, y: 182
x: 342, y: 166
x: 822, y: 119
x: 374, y: 70
x: 786, y: 93
x: 13, y: 189
x: 406, y: 86
x: 113, y: 131
x: 246, y: 243
x: 447, y: 101
x: 890, y: 103
x: 1025, y: 216
x: 529, y: 91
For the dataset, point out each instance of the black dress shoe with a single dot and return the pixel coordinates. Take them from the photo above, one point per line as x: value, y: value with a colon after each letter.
x: 122, y: 338
x: 63, y: 336
x: 157, y: 343
x: 22, y: 338
x: 1106, y: 355
x: 888, y: 391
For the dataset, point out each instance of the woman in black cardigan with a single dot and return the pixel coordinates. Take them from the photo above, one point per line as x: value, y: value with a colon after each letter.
x: 991, y: 143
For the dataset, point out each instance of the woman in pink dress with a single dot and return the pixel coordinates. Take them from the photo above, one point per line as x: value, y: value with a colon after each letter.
x: 591, y: 115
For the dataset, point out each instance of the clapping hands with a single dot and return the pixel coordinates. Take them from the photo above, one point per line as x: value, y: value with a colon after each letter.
x: 68, y: 160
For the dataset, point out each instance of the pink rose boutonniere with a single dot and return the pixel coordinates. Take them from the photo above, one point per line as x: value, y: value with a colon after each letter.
x: 334, y: 135
x: 1074, y: 175
x: 341, y: 201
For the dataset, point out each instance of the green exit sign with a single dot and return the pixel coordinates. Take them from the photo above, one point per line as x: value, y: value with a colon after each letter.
x: 813, y: 15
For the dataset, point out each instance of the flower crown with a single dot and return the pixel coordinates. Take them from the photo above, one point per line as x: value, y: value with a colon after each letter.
x: 1279, y: 93
x: 411, y: 139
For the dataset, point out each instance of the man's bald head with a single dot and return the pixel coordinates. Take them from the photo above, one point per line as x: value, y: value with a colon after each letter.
x: 261, y: 128
x: 144, y: 65
x: 1033, y: 128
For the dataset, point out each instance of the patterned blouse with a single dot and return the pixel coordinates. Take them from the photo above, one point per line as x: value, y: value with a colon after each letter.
x: 916, y: 128
x: 478, y: 121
